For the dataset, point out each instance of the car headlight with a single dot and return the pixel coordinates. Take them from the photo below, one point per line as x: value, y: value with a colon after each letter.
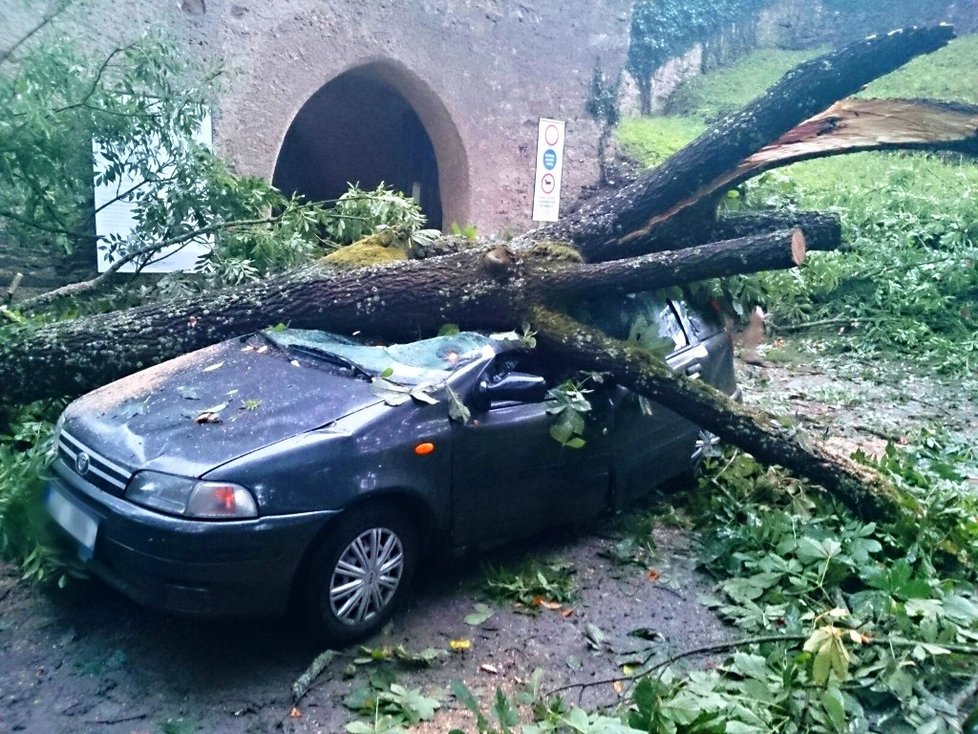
x: 191, y: 498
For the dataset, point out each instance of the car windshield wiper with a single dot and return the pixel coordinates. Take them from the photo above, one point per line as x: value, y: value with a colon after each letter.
x: 330, y: 357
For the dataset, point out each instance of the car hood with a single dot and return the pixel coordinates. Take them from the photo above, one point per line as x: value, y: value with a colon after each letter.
x: 194, y: 413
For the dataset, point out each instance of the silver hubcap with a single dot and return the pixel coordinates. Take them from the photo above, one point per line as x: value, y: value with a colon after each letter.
x: 366, y: 576
x: 706, y: 445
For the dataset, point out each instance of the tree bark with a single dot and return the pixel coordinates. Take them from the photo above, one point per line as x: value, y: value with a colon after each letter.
x: 492, y: 288
x: 864, y: 491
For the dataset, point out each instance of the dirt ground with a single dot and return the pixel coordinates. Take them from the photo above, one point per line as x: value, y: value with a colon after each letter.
x: 87, y: 660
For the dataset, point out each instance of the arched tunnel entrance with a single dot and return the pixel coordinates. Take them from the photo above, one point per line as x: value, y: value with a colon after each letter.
x: 377, y: 122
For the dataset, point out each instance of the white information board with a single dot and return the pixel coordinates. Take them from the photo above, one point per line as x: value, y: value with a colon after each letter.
x: 550, y: 163
x: 114, y: 216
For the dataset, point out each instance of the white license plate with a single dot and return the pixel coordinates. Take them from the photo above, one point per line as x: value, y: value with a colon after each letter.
x: 77, y: 523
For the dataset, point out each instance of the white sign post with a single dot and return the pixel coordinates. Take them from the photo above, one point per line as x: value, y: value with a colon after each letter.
x: 550, y: 163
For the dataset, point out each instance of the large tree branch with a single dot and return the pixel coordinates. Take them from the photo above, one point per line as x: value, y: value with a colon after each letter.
x: 771, y: 251
x: 848, y: 126
x: 491, y: 288
x: 862, y: 490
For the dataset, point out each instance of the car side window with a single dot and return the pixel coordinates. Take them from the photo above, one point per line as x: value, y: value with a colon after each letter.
x: 703, y: 325
x: 656, y: 322
x: 650, y: 322
x: 514, y: 378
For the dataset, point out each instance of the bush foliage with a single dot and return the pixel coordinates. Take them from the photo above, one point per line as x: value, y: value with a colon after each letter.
x: 141, y: 106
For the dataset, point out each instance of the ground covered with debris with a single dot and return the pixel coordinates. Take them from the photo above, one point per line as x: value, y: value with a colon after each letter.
x: 86, y: 660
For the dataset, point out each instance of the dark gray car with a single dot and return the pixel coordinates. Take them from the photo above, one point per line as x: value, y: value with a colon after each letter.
x: 306, y: 468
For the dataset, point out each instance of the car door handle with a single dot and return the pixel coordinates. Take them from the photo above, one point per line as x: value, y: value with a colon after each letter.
x: 693, y: 371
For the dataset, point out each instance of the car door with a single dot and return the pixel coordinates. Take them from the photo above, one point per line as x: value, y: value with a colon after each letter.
x: 510, y: 477
x: 653, y: 443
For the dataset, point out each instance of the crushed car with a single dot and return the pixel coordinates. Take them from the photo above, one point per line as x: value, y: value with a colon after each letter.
x: 298, y: 469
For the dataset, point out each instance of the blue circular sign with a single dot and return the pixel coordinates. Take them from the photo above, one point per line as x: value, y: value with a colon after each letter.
x: 549, y: 159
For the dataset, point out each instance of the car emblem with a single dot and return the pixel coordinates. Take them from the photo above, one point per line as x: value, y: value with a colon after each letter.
x: 82, y: 462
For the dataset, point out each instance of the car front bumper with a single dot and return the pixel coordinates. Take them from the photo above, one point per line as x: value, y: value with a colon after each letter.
x: 194, y: 567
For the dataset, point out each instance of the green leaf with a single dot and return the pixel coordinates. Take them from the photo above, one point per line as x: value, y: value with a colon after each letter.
x: 577, y: 720
x: 457, y: 410
x: 751, y: 666
x: 594, y: 635
x: 361, y: 698
x: 464, y: 695
x: 811, y: 549
x: 411, y: 703
x: 835, y: 707
x: 929, y: 649
x: 741, y: 727
x: 561, y: 432
x: 822, y: 665
x: 504, y: 712
x: 481, y: 614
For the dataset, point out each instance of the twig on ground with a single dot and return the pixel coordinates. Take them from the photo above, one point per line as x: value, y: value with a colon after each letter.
x: 744, y: 642
x: 120, y: 719
x: 703, y: 650
x: 304, y: 682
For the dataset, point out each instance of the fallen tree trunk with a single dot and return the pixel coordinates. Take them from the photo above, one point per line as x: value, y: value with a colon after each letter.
x: 620, y: 224
x: 862, y: 490
x: 492, y: 288
x: 849, y: 126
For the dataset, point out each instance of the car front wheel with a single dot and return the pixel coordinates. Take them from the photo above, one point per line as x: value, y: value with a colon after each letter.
x: 359, y: 574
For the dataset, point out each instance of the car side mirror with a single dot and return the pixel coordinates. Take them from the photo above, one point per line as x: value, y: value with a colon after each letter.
x: 518, y: 387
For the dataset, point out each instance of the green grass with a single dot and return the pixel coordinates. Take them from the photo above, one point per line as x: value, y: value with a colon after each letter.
x: 948, y: 74
x: 713, y: 95
x: 908, y: 282
x: 650, y: 140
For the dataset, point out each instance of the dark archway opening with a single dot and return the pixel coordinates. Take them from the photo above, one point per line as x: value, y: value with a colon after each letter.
x: 359, y: 128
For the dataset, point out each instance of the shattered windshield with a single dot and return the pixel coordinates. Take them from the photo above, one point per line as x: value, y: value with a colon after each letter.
x: 415, y: 363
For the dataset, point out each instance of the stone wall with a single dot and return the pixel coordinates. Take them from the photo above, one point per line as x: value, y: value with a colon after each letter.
x: 800, y: 24
x: 484, y: 70
x: 490, y: 67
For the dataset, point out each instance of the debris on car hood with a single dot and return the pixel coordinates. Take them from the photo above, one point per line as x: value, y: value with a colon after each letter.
x: 191, y: 414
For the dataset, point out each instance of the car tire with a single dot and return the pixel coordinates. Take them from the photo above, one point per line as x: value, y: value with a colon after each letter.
x: 359, y: 574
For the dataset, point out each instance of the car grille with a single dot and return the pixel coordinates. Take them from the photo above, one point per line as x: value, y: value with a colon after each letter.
x: 96, y: 469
